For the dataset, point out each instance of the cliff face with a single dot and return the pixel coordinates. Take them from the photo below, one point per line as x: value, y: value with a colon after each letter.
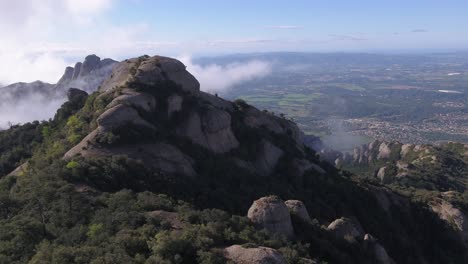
x: 150, y: 95
x: 86, y: 75
x: 438, y: 175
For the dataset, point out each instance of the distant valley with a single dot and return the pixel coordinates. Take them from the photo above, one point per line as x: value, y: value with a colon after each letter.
x: 408, y: 98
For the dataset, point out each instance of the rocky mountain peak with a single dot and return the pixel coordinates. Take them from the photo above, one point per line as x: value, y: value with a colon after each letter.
x: 150, y: 71
x: 87, y: 75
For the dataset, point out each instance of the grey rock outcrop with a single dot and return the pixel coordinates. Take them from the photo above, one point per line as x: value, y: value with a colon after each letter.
x: 271, y: 214
x: 141, y: 101
x: 174, y: 104
x: 76, y: 70
x: 121, y: 115
x: 298, y: 209
x: 87, y: 76
x: 345, y: 227
x: 90, y: 63
x: 76, y: 94
x: 150, y: 71
x: 258, y: 255
x: 67, y: 75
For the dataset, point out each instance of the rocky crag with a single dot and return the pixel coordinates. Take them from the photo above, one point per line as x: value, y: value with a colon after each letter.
x: 86, y: 75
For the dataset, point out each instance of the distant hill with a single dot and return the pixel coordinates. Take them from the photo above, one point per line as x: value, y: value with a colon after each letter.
x: 435, y: 175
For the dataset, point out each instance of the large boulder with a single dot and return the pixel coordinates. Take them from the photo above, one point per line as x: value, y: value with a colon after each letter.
x: 90, y: 63
x: 258, y: 255
x: 210, y: 129
x: 151, y: 71
x: 74, y: 94
x: 120, y: 116
x: 346, y: 228
x: 298, y: 209
x: 272, y: 214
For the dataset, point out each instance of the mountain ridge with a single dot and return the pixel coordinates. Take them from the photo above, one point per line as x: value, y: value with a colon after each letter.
x: 150, y: 169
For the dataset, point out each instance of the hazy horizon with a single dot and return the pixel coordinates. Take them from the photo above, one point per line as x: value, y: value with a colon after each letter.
x: 51, y: 34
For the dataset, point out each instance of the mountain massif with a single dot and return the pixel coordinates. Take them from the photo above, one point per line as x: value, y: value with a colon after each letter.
x: 85, y: 75
x: 150, y: 169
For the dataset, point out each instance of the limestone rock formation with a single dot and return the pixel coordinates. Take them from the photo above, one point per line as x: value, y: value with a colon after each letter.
x: 298, y: 209
x: 345, y: 227
x: 271, y: 214
x: 259, y: 255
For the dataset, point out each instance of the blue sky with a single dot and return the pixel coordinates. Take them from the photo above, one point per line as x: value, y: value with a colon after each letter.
x: 303, y: 25
x: 39, y: 38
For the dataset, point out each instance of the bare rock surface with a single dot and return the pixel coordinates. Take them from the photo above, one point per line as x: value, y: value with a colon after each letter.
x: 121, y: 115
x: 272, y: 214
x: 211, y: 129
x: 345, y: 227
x: 150, y: 71
x: 174, y: 104
x: 142, y: 101
x: 298, y: 209
x: 258, y: 255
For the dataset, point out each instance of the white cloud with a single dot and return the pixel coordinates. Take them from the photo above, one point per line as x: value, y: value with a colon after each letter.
x: 88, y: 6
x: 31, y: 47
x: 33, y: 107
x: 214, y: 78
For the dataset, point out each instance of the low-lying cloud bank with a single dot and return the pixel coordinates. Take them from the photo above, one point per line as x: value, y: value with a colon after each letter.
x: 215, y: 78
x: 32, y: 107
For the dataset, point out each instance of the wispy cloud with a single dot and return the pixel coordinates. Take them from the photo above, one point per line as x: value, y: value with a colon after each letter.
x: 419, y: 30
x: 346, y: 37
x: 285, y: 27
x: 217, y: 78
